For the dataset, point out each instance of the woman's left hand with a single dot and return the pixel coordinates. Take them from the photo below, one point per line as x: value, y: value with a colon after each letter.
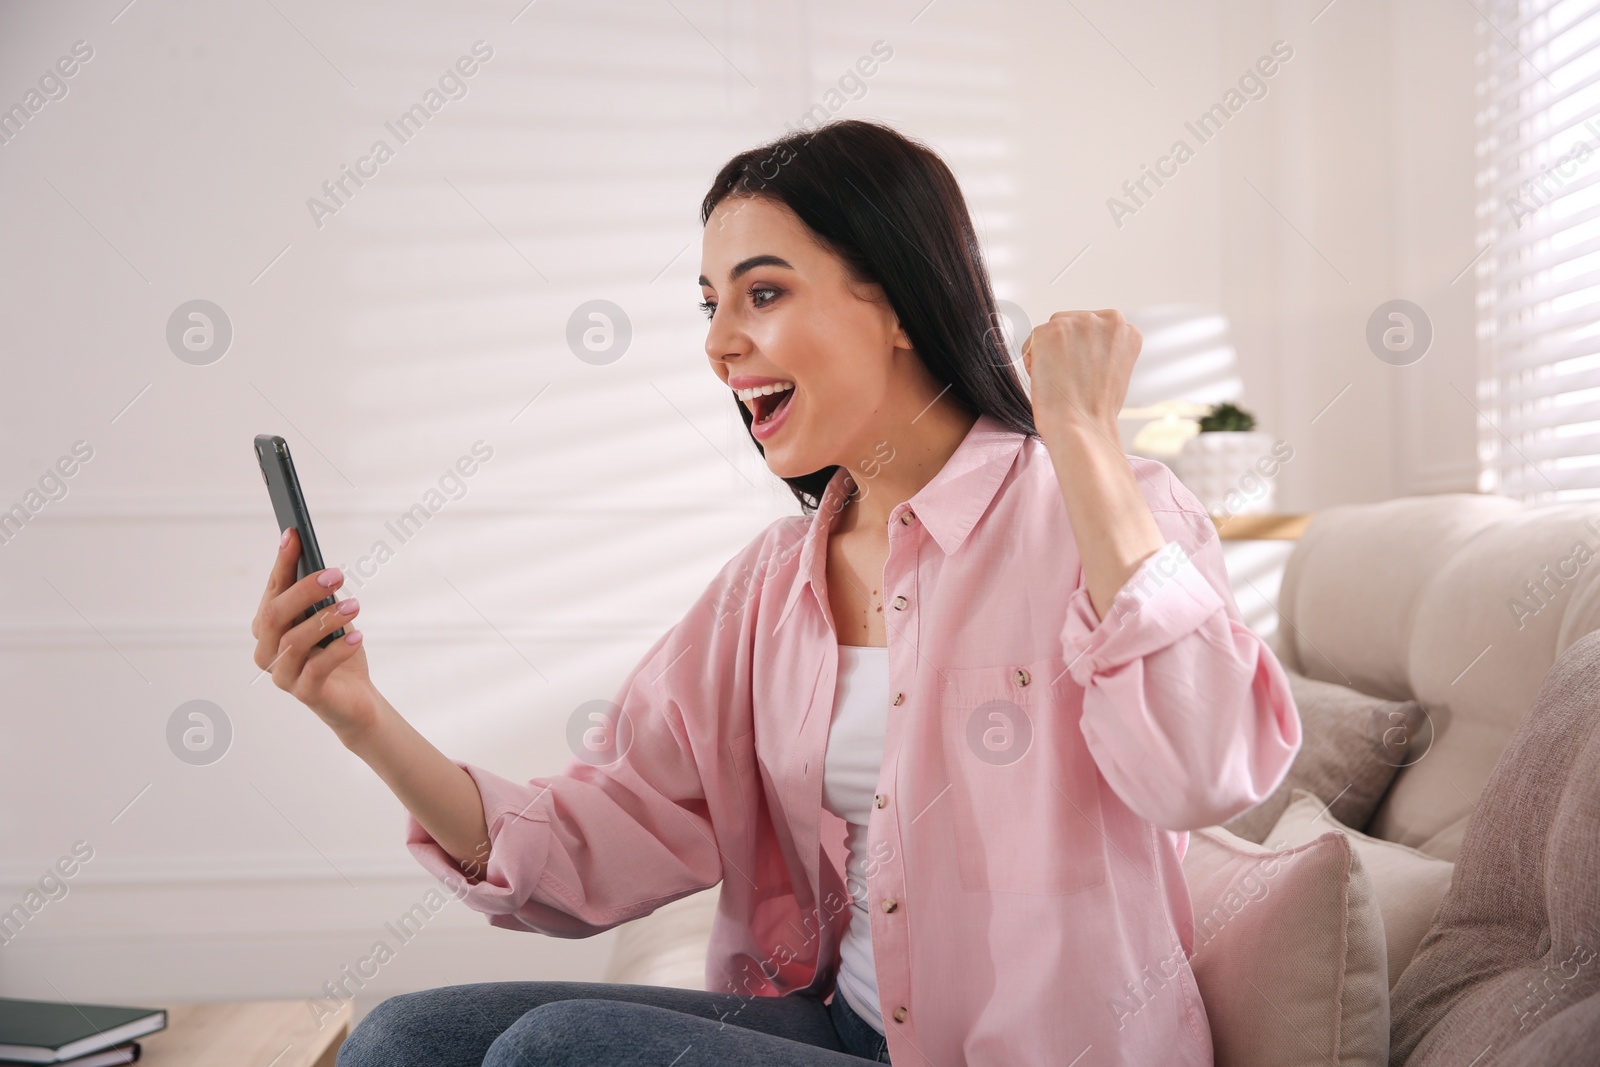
x: 1079, y: 364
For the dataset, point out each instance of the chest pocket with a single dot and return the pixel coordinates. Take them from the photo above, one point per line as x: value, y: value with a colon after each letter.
x: 1026, y: 791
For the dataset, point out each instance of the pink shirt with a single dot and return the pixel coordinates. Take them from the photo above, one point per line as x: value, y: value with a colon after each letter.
x: 1041, y: 770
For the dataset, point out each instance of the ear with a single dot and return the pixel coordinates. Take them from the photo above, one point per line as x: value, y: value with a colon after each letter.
x: 900, y: 340
x: 874, y: 293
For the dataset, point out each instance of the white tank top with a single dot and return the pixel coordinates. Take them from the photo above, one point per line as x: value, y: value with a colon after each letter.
x: 849, y: 784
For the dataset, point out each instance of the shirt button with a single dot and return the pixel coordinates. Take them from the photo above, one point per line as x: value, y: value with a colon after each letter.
x: 907, y: 517
x: 899, y: 603
x: 890, y: 904
x: 899, y: 1015
x: 1021, y: 677
x: 899, y: 698
x: 880, y: 800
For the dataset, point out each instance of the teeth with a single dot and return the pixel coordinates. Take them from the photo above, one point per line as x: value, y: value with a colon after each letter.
x: 748, y: 395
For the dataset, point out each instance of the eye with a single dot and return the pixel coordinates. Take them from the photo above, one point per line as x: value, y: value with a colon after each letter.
x: 762, y: 289
x: 708, y: 308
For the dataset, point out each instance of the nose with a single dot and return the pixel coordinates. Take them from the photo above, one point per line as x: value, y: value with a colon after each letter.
x: 724, y: 343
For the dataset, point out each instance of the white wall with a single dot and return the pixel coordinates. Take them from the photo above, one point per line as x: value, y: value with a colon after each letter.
x: 429, y: 311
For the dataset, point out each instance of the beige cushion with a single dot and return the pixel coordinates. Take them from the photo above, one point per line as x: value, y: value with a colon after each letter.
x: 1413, y: 599
x: 668, y: 946
x: 1475, y: 662
x: 1289, y: 952
x: 1515, y: 946
x: 1351, y: 746
x: 1409, y: 884
x: 1351, y: 585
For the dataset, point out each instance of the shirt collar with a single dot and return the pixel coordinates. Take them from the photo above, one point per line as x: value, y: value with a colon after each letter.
x: 949, y: 505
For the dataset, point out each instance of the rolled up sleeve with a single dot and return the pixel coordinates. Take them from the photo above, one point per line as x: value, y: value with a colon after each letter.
x: 576, y: 853
x: 1186, y: 711
x: 542, y: 876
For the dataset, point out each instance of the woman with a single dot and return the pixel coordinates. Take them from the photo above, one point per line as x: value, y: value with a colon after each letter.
x: 990, y: 678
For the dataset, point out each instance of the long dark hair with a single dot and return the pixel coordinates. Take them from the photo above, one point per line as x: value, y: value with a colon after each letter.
x: 890, y: 209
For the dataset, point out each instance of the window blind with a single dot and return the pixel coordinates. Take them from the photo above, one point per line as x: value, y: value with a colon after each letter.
x: 1539, y: 220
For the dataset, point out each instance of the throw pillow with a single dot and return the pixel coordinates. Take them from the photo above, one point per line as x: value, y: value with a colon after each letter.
x: 1288, y: 952
x: 1351, y: 747
x: 1514, y: 950
x: 1409, y: 884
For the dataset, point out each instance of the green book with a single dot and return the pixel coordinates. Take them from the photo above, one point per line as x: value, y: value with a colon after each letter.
x: 40, y: 1031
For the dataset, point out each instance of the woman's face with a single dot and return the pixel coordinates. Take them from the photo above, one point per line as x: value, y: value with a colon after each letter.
x: 785, y: 313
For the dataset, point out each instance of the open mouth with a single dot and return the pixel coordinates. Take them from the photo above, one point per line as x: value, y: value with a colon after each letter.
x: 766, y: 401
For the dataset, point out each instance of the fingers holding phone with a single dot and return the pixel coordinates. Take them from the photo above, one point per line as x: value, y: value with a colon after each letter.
x: 330, y: 679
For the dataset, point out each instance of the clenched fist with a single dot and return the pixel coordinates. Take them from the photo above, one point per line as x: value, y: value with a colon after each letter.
x: 1079, y: 364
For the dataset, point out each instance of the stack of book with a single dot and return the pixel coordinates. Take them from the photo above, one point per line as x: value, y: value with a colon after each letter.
x: 84, y: 1035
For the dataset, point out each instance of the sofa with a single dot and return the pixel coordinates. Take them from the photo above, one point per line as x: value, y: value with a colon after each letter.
x: 1424, y: 886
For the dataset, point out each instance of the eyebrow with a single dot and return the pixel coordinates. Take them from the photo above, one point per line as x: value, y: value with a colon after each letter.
x: 746, y: 265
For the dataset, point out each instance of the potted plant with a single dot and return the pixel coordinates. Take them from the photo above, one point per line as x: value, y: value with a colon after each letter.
x: 1222, y: 463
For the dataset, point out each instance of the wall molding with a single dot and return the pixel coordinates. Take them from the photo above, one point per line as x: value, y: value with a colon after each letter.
x: 356, y: 504
x: 261, y: 868
x: 233, y: 633
x: 173, y: 963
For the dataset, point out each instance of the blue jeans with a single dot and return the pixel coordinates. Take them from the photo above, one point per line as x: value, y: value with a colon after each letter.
x: 601, y: 1024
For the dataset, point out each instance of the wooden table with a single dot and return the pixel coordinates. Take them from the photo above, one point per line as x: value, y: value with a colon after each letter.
x: 1273, y: 527
x: 263, y: 1033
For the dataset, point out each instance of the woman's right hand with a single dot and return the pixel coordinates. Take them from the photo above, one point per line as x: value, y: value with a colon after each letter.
x: 331, y: 681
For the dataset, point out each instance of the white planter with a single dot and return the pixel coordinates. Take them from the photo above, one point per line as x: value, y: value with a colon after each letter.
x: 1220, y: 468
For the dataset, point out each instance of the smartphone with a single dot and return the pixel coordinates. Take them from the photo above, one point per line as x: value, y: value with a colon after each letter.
x: 289, y: 504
